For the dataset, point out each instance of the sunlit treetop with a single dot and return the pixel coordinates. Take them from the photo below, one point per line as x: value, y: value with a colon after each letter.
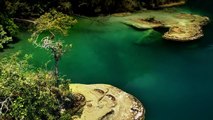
x: 51, y: 23
x: 54, y: 21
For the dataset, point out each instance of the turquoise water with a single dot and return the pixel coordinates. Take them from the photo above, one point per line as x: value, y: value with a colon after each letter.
x: 173, y: 80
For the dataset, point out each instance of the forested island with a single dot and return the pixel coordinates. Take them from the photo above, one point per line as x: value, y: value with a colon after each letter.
x: 29, y: 92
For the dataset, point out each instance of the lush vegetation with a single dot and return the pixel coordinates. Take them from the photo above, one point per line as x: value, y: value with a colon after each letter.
x: 34, y: 93
x: 29, y: 93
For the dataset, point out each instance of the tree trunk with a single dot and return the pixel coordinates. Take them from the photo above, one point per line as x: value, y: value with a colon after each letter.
x: 56, y: 73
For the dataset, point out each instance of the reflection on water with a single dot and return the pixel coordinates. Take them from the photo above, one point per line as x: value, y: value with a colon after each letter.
x: 173, y: 80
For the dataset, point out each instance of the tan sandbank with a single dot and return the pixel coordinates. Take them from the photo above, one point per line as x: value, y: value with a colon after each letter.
x: 105, y: 102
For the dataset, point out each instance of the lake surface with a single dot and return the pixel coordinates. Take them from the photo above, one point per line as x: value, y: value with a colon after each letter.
x: 173, y: 80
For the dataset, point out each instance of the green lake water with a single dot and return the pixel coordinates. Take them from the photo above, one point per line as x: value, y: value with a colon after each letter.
x: 173, y: 80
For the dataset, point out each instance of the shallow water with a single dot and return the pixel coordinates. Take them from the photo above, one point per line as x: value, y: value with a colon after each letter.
x: 173, y: 80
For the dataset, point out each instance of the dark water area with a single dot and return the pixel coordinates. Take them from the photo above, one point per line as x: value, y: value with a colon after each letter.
x: 173, y: 80
x: 204, y: 5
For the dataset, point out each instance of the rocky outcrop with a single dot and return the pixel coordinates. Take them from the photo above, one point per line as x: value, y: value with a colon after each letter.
x: 105, y: 102
x: 193, y: 19
x: 184, y: 33
x: 181, y: 26
x: 187, y: 31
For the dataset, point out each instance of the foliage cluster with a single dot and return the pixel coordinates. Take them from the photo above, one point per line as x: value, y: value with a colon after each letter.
x: 8, y: 24
x: 33, y: 8
x: 29, y: 93
x: 3, y: 37
x: 54, y: 21
x: 7, y: 29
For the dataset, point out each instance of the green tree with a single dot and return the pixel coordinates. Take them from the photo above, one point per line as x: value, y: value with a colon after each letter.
x: 49, y: 25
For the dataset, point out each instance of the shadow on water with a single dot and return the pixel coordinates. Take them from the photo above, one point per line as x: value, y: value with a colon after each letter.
x: 200, y: 5
x: 10, y: 45
x: 135, y: 28
x: 162, y: 30
x: 6, y: 47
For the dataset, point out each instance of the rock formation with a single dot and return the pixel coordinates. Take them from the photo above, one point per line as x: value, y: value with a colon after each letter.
x: 184, y: 33
x: 181, y: 26
x: 189, y: 31
x: 105, y: 102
